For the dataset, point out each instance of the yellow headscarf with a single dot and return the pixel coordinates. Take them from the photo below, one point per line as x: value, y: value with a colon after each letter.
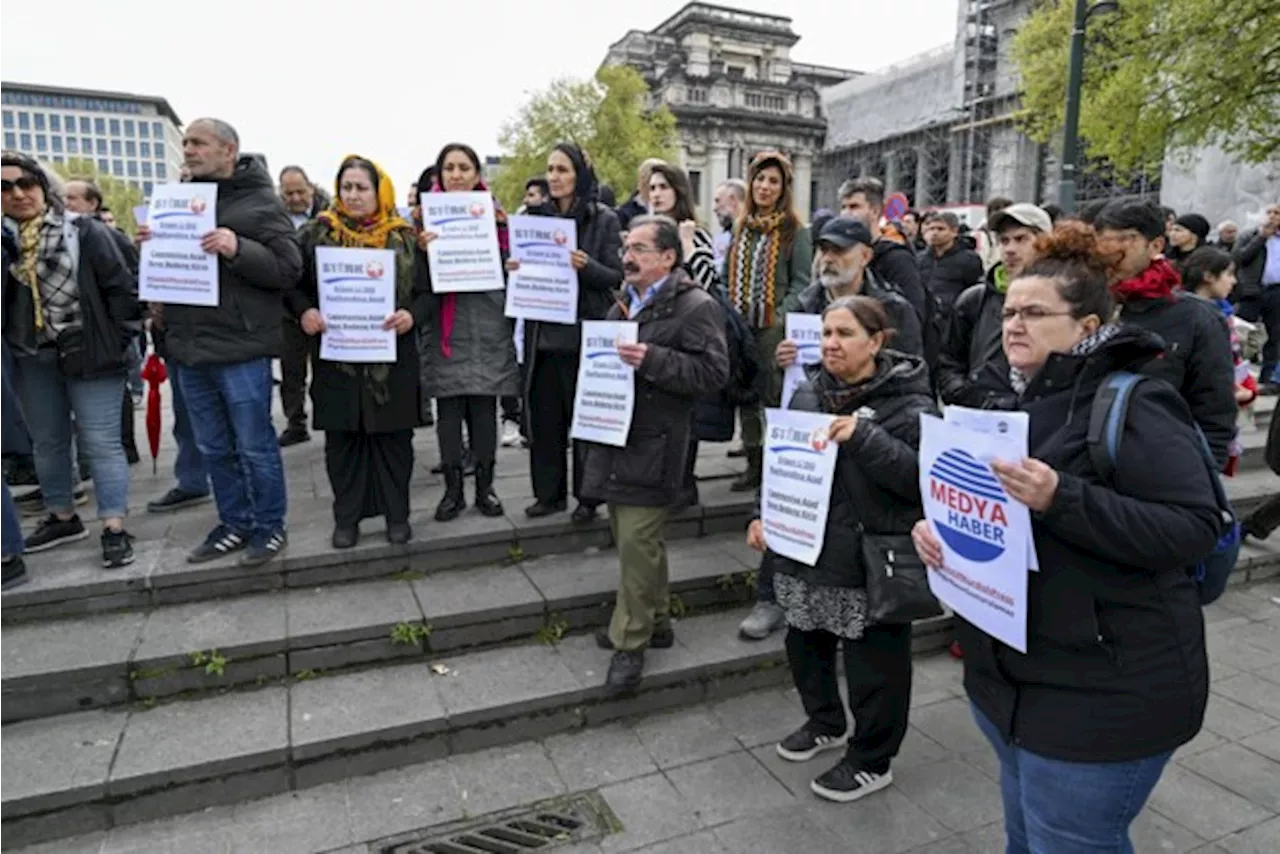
x: 373, y: 232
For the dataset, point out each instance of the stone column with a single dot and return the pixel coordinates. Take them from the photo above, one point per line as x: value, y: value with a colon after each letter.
x: 717, y: 174
x: 803, y: 164
x: 957, y: 192
x: 890, y: 171
x: 923, y: 166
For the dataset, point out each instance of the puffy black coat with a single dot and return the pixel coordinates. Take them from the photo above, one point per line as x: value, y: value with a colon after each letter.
x: 1197, y: 361
x: 947, y: 276
x: 687, y: 359
x: 907, y: 335
x: 972, y: 369
x: 877, y: 476
x: 1115, y: 668
x: 245, y: 324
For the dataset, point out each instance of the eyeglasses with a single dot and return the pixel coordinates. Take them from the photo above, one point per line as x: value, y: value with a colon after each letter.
x: 1030, y: 314
x: 26, y: 184
x: 635, y: 250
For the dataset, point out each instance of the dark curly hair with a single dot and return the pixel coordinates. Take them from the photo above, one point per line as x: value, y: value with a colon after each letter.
x: 1069, y: 255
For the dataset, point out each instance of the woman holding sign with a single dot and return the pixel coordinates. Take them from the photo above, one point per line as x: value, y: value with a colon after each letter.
x: 876, y: 396
x: 552, y: 349
x: 469, y: 358
x: 368, y: 407
x: 1115, y: 677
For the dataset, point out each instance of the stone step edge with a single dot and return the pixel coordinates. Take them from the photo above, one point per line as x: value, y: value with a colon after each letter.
x: 178, y: 789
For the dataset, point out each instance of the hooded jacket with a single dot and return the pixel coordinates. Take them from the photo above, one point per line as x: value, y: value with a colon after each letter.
x: 972, y: 369
x: 876, y: 486
x: 245, y: 324
x: 1115, y: 668
x: 907, y: 336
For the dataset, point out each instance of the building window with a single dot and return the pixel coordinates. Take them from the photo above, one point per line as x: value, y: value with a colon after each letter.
x: 147, y: 187
x: 85, y: 125
x: 146, y: 169
x: 70, y: 124
x: 133, y: 168
x: 695, y: 183
x: 39, y: 119
x: 102, y: 166
x: 86, y: 145
x: 73, y: 145
x: 10, y: 139
x: 42, y: 142
x: 24, y: 121
x: 128, y: 127
x: 102, y: 146
x: 25, y: 144
x: 160, y: 171
x: 115, y: 127
x: 55, y: 123
x: 144, y: 130
x: 144, y: 149
x: 57, y: 145
x: 115, y: 148
x: 8, y: 118
x: 117, y: 168
x: 130, y: 148
x: 100, y: 127
x: 157, y: 131
x: 158, y: 150
x: 57, y: 158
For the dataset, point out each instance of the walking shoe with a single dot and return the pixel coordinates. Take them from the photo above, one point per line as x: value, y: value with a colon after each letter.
x: 14, y: 573
x: 749, y: 480
x: 264, y: 548
x: 399, y: 533
x: 847, y: 782
x: 53, y: 531
x: 221, y: 542
x: 806, y: 743
x: 584, y: 513
x: 662, y: 639
x: 538, y: 509
x: 624, y: 670
x: 345, y: 536
x: 117, y: 548
x: 294, y: 436
x: 511, y: 437
x: 453, y: 502
x: 487, y: 501
x: 177, y: 499
x: 32, y: 504
x: 765, y: 619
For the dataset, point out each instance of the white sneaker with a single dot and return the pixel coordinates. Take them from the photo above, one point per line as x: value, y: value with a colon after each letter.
x: 511, y: 437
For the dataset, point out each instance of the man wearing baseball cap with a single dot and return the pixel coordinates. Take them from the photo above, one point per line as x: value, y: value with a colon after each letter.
x: 972, y: 369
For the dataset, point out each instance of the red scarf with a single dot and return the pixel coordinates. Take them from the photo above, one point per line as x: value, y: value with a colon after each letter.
x: 449, y: 302
x: 1158, y: 281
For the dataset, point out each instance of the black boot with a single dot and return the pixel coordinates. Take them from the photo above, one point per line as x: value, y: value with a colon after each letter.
x: 454, y: 502
x: 749, y: 480
x: 1261, y: 522
x: 486, y: 499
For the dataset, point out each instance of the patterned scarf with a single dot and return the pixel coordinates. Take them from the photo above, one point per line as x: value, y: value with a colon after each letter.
x: 1089, y: 344
x: 449, y: 302
x: 753, y: 268
x: 45, y: 267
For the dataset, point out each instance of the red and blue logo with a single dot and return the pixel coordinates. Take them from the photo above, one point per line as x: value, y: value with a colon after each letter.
x: 976, y: 523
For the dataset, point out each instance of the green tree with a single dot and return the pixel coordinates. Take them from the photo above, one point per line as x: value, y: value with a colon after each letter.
x: 118, y: 195
x: 608, y: 116
x: 1159, y: 76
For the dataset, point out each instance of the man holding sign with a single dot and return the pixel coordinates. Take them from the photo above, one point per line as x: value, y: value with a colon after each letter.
x: 679, y: 355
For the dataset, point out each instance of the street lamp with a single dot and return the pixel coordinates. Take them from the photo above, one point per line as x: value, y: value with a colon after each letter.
x: 1075, y: 76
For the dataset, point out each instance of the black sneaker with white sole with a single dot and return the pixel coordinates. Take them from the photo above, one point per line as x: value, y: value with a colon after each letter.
x: 265, y: 547
x: 847, y: 782
x: 53, y: 531
x: 221, y: 542
x: 806, y: 743
x: 117, y: 548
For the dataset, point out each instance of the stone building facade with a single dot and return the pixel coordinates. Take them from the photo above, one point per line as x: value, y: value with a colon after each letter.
x: 728, y: 77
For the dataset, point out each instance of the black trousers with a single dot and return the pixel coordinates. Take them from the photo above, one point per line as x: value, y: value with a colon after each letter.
x: 551, y: 392
x: 878, y: 671
x: 294, y: 355
x: 1270, y: 304
x: 369, y: 473
x: 481, y: 417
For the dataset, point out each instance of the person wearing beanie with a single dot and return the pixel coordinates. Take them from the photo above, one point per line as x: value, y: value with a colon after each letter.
x: 1187, y: 234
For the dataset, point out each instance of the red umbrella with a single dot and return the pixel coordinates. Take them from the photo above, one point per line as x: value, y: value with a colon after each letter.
x: 154, y: 373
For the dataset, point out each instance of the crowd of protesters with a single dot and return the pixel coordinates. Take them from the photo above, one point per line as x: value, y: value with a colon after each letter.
x: 1033, y: 310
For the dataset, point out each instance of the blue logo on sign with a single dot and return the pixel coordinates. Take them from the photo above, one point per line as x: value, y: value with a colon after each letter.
x: 976, y: 522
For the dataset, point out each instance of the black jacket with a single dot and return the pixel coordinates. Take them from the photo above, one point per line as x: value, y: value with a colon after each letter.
x: 1197, y: 361
x: 598, y: 282
x: 907, y: 336
x: 1115, y: 668
x: 896, y: 267
x: 687, y: 359
x: 629, y: 210
x: 1250, y: 256
x: 948, y: 276
x: 877, y: 476
x: 972, y: 369
x: 109, y: 311
x: 245, y: 324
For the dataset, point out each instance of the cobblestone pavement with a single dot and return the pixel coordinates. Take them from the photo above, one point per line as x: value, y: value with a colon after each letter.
x: 706, y: 779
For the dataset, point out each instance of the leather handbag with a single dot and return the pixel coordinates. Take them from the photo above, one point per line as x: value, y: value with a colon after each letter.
x: 897, y: 581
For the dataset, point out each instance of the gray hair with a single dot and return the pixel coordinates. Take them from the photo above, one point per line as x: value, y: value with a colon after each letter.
x: 1226, y: 223
x: 666, y: 234
x: 737, y: 186
x: 222, y: 130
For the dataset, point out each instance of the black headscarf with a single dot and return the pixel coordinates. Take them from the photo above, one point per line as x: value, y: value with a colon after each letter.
x: 586, y: 188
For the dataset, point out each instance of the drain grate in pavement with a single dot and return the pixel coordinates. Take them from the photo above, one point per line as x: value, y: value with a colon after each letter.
x: 542, y: 827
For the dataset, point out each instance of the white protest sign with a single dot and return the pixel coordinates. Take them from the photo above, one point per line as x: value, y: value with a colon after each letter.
x: 806, y: 331
x: 545, y: 287
x: 140, y: 214
x: 1011, y: 428
x: 464, y: 256
x: 173, y: 268
x: 799, y: 463
x: 357, y: 294
x: 983, y: 576
x: 606, y: 397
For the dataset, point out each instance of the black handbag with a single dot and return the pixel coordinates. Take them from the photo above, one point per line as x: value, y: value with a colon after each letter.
x: 897, y: 581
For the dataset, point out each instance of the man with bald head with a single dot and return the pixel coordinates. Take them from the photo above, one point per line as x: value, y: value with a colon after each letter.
x: 223, y: 353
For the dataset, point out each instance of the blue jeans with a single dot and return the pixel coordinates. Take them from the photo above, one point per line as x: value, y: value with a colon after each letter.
x: 1056, y: 807
x: 230, y: 408
x: 12, y: 534
x: 189, y: 467
x: 48, y: 402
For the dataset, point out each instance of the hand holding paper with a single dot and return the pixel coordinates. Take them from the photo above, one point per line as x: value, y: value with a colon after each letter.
x: 1030, y: 481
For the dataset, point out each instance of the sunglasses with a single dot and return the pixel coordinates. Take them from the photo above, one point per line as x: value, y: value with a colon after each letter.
x: 25, y: 184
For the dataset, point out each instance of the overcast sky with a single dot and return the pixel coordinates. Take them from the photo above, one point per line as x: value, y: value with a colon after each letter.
x: 307, y: 82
